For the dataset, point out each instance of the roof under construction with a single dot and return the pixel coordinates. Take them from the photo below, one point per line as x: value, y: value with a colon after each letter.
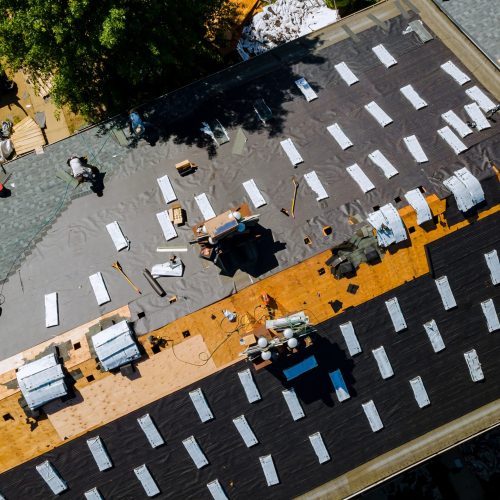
x: 344, y: 428
x: 366, y: 117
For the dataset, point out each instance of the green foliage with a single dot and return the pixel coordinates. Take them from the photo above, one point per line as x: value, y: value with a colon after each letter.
x: 114, y: 28
x: 349, y: 6
x: 105, y: 56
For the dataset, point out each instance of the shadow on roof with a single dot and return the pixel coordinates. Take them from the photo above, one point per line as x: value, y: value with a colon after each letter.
x: 228, y: 96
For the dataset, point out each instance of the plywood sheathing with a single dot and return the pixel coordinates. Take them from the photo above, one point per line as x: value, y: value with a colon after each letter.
x: 115, y: 395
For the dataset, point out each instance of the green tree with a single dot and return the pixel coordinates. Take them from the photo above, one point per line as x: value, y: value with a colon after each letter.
x: 349, y: 6
x: 104, y: 56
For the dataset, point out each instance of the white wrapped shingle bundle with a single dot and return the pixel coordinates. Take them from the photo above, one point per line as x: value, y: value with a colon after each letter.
x: 282, y: 21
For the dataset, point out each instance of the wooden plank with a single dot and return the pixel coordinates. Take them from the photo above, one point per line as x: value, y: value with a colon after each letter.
x: 23, y: 124
x: 27, y: 136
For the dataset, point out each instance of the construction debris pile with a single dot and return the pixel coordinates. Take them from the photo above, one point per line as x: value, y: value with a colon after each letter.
x: 283, y: 21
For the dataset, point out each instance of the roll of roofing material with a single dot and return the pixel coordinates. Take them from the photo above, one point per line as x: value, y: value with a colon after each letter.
x: 154, y: 284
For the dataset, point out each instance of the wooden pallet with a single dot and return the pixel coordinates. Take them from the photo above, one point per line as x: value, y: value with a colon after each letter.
x: 27, y: 136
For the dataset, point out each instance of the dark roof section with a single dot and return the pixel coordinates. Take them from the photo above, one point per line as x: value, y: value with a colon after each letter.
x: 344, y: 427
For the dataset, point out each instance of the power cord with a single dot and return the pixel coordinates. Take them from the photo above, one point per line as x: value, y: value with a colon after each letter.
x: 228, y: 334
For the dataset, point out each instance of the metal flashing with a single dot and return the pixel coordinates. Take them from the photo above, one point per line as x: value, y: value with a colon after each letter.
x: 350, y: 338
x: 150, y: 430
x: 336, y: 132
x: 216, y: 490
x: 415, y: 149
x: 493, y: 265
x: 293, y: 404
x: 383, y: 163
x: 360, y: 177
x: 490, y: 313
x: 249, y: 386
x: 445, y: 292
x: 319, y: 447
x: 195, y: 452
x: 246, y: 432
x: 372, y: 415
x: 475, y: 370
x: 101, y: 457
x: 347, y: 75
x: 384, y: 365
x: 396, y: 314
x: 419, y: 392
x: 148, y: 483
x: 50, y: 475
x: 417, y: 201
x: 434, y: 335
x: 269, y: 470
x: 378, y: 113
x: 418, y: 27
x: 201, y: 405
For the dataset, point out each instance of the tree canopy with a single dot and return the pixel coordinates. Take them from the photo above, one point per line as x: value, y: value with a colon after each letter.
x: 104, y: 56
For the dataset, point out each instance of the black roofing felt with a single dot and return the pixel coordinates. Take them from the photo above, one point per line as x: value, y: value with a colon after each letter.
x: 344, y: 427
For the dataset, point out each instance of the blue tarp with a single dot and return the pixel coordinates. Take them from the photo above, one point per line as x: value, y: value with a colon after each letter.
x: 300, y: 368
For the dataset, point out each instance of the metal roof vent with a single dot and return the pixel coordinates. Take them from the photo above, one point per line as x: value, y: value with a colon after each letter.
x: 115, y: 346
x: 41, y: 381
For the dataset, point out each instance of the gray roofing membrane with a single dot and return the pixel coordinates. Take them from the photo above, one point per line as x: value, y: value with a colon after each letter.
x: 76, y: 244
x: 343, y: 426
x: 479, y: 20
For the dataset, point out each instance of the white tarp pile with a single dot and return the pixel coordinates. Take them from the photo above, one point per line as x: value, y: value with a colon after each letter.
x: 282, y: 21
x: 6, y: 150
